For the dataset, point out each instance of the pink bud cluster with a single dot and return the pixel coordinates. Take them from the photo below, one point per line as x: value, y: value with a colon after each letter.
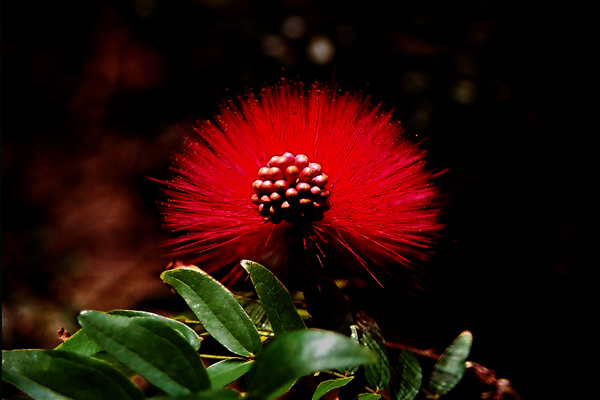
x: 291, y: 188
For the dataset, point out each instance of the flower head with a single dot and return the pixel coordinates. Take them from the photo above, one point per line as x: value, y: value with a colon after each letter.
x: 290, y: 178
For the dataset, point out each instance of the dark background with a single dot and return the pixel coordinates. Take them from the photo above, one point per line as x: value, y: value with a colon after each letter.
x: 93, y: 93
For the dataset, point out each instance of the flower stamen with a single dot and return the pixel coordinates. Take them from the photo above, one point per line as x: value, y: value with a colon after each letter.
x: 291, y: 188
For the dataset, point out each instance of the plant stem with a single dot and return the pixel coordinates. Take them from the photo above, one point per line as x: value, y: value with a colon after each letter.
x: 215, y: 357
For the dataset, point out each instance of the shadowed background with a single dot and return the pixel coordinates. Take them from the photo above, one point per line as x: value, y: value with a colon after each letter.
x: 93, y: 93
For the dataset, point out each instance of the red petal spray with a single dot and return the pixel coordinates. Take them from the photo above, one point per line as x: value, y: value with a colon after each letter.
x: 379, y: 216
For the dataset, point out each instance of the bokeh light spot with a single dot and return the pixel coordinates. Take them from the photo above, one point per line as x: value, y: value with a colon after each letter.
x: 294, y: 27
x: 321, y: 50
x: 464, y: 91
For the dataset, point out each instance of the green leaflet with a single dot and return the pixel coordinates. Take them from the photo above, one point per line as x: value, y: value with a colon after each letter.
x: 224, y: 372
x: 451, y: 366
x: 275, y: 299
x: 58, y: 375
x: 257, y: 314
x: 151, y: 348
x: 378, y: 374
x: 213, y: 394
x: 188, y: 333
x: 299, y: 353
x: 82, y: 344
x: 327, y: 386
x: 407, y: 377
x: 354, y: 337
x: 216, y: 308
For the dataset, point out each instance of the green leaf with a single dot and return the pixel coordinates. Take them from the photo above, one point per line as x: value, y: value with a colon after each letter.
x: 213, y: 394
x: 354, y: 337
x: 186, y: 317
x: 275, y: 298
x: 80, y: 343
x: 226, y: 371
x: 187, y: 332
x: 299, y: 353
x: 378, y: 374
x: 368, y: 396
x: 149, y: 347
x: 451, y: 366
x: 257, y: 314
x: 57, y: 375
x: 407, y: 377
x: 327, y: 386
x: 116, y: 364
x: 217, y: 309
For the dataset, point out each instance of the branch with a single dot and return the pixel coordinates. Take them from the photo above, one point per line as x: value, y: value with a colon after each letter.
x: 486, y: 377
x: 428, y: 353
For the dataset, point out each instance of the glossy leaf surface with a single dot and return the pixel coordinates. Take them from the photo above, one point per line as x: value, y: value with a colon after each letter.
x: 116, y: 364
x: 213, y: 394
x: 378, y: 374
x: 80, y: 343
x: 224, y: 372
x: 327, y: 386
x: 451, y: 366
x: 216, y: 308
x: 257, y: 314
x: 187, y: 332
x: 299, y: 353
x: 407, y: 377
x: 275, y: 299
x: 151, y: 348
x: 354, y: 337
x: 58, y: 375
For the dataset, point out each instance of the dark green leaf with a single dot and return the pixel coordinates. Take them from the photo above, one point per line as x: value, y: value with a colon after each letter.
x: 188, y: 333
x: 327, y: 386
x: 213, y: 394
x: 451, y: 366
x: 275, y: 298
x: 81, y: 343
x: 257, y: 314
x: 217, y: 309
x: 116, y: 364
x: 407, y: 377
x: 378, y: 374
x: 299, y: 353
x: 226, y: 371
x: 56, y: 374
x: 149, y: 347
x: 354, y: 337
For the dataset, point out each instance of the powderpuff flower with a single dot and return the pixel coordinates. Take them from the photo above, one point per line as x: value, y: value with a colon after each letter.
x: 299, y: 181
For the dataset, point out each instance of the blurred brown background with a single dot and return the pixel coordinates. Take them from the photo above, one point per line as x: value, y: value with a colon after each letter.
x: 93, y: 93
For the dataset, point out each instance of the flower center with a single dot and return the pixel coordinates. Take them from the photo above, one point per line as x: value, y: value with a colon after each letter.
x: 291, y: 188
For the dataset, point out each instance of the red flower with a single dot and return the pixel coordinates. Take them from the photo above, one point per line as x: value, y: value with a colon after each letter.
x: 291, y: 179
